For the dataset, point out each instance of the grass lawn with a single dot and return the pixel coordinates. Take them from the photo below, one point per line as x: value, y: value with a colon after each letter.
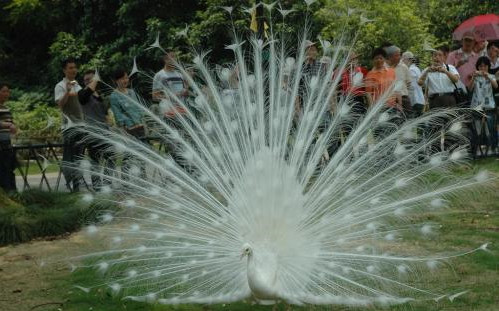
x: 34, y: 169
x: 467, y: 225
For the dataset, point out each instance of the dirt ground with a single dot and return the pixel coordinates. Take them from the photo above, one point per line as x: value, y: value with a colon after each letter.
x: 26, y: 272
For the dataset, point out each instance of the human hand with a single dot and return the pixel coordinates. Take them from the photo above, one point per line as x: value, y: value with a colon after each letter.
x: 93, y: 84
x: 70, y: 88
x: 13, y: 129
x: 461, y: 62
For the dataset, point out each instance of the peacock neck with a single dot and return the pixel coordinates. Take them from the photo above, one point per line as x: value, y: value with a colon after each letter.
x: 262, y: 276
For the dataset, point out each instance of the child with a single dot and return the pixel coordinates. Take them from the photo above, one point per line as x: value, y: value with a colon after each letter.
x: 482, y: 86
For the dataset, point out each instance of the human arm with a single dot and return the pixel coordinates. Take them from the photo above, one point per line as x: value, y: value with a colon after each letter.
x: 472, y: 84
x: 157, y: 88
x: 424, y: 75
x: 450, y: 71
x: 120, y: 117
x: 408, y: 80
x: 62, y: 94
x: 84, y: 94
x: 370, y: 89
x: 9, y: 125
x: 492, y: 80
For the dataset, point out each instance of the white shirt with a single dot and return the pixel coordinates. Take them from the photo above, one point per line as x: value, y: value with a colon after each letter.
x: 439, y: 82
x: 172, y: 80
x: 61, y: 89
x: 416, y: 93
x: 494, y: 65
x: 403, y: 79
x: 482, y: 93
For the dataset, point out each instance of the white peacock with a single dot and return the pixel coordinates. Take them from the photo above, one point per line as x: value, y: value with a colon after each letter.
x: 253, y: 210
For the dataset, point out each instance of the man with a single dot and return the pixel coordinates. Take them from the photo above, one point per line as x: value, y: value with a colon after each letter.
x: 7, y: 155
x: 402, y: 76
x: 170, y: 89
x: 379, y: 80
x: 415, y: 92
x: 167, y: 82
x: 480, y: 47
x: 352, y: 84
x: 493, y: 55
x: 439, y: 80
x: 96, y: 114
x: 311, y: 67
x: 66, y: 97
x: 464, y: 59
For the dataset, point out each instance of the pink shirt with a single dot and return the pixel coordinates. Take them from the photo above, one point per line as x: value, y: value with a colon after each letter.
x: 466, y: 70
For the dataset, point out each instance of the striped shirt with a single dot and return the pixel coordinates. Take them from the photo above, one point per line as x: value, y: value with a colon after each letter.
x: 5, y: 116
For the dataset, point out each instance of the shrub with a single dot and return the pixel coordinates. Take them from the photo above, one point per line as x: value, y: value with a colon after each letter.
x: 37, y: 214
x: 36, y: 118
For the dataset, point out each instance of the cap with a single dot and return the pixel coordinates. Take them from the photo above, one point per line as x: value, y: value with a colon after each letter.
x: 325, y: 60
x: 308, y: 43
x: 468, y: 35
x: 407, y: 55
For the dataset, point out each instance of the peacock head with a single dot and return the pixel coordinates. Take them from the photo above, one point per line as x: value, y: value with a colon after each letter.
x: 247, y: 250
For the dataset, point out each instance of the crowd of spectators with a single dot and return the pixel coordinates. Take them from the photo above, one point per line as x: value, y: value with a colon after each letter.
x: 472, y: 69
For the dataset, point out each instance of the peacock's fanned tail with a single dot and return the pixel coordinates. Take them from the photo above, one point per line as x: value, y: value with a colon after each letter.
x: 251, y: 168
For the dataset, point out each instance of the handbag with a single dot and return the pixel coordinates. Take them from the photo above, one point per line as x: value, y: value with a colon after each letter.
x: 462, y: 98
x: 138, y: 131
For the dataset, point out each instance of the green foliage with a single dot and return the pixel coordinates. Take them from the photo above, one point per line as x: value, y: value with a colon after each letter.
x: 445, y: 15
x: 35, y: 214
x: 65, y: 46
x: 37, y: 34
x: 20, y: 9
x: 35, y: 118
x: 392, y: 21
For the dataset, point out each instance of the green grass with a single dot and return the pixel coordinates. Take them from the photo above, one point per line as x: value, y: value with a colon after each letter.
x: 470, y: 223
x: 36, y: 214
x: 33, y: 168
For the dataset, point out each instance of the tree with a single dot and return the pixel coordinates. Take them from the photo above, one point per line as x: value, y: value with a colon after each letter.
x: 397, y: 22
x: 446, y: 15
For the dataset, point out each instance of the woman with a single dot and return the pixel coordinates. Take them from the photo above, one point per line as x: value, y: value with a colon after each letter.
x: 380, y: 79
x: 482, y: 86
x: 128, y: 114
x: 440, y: 80
x: 7, y: 155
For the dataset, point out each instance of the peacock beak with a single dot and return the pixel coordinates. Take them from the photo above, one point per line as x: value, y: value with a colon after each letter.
x: 242, y: 256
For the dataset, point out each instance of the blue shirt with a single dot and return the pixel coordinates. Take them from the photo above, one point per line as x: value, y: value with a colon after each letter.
x: 126, y: 108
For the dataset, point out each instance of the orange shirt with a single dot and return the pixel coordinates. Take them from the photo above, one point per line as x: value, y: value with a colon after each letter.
x: 378, y: 81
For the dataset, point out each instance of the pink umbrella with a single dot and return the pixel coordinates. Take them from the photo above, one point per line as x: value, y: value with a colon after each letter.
x: 483, y: 27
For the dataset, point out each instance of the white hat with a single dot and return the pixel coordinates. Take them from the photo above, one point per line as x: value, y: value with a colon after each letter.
x: 407, y: 55
x: 308, y: 43
x: 325, y: 60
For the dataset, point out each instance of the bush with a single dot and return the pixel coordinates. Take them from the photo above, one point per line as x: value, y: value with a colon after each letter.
x: 36, y: 118
x: 37, y: 214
